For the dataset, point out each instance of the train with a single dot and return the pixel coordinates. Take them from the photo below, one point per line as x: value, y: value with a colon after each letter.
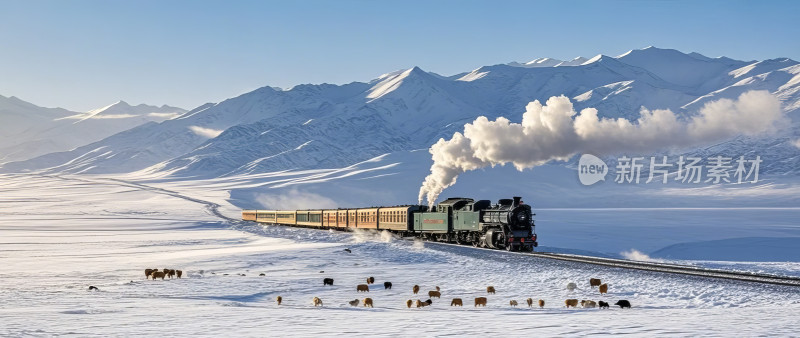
x: 506, y: 225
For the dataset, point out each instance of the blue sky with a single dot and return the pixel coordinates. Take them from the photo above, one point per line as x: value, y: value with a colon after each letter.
x: 82, y: 54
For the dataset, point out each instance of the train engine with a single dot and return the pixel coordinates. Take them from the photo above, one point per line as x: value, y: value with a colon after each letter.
x: 506, y: 225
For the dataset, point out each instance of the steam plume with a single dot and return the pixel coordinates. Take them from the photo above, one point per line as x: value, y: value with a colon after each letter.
x: 555, y: 131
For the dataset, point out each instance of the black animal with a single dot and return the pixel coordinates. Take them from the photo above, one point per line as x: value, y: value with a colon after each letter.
x: 387, y: 285
x: 429, y: 301
x: 262, y: 274
x: 327, y: 281
x: 623, y: 304
x: 603, y: 304
x: 348, y: 250
x: 93, y: 288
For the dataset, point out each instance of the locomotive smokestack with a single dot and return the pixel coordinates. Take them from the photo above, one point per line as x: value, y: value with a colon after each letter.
x: 516, y: 200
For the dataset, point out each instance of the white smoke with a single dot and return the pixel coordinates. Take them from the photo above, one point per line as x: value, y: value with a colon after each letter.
x: 636, y: 255
x: 554, y: 132
x: 295, y: 200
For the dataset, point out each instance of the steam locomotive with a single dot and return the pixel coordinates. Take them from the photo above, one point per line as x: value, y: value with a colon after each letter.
x: 506, y: 225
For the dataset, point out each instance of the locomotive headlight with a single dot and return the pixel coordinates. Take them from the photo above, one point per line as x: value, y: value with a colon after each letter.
x: 522, y: 217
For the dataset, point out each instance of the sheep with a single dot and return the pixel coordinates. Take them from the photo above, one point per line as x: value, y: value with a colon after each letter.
x: 371, y: 280
x: 529, y: 301
x: 588, y: 304
x: 179, y: 273
x: 571, y: 302
x: 327, y: 281
x: 594, y: 282
x: 387, y: 285
x: 623, y: 304
x: 434, y: 294
x: 409, y: 302
x: 362, y: 288
x: 279, y: 299
x: 490, y: 289
x: 416, y: 289
x: 480, y: 301
x: 513, y: 303
x: 157, y: 274
x: 317, y: 301
x: 424, y: 304
x: 603, y: 305
x: 91, y: 287
x: 354, y: 302
x: 572, y: 286
x: 367, y: 302
x: 456, y: 302
x: 541, y: 303
x: 603, y: 289
x: 147, y: 273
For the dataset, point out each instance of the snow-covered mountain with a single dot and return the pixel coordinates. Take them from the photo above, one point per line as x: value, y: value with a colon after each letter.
x: 331, y: 126
x: 28, y: 131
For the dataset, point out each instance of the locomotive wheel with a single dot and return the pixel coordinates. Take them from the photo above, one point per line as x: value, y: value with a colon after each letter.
x: 500, y: 242
x: 510, y: 247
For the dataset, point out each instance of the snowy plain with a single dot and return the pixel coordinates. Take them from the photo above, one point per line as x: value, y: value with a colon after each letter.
x: 61, y: 234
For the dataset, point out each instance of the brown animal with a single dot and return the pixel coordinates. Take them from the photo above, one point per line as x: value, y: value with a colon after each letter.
x: 425, y: 303
x: 409, y: 303
x: 595, y: 282
x: 280, y: 299
x: 416, y: 289
x: 541, y: 303
x: 603, y: 289
x: 179, y: 272
x: 571, y: 302
x: 367, y: 302
x: 529, y: 301
x: 170, y: 273
x: 147, y: 273
x: 434, y: 294
x: 490, y: 289
x: 157, y: 274
x: 480, y: 301
x: 362, y: 288
x: 513, y: 303
x: 438, y: 289
x: 588, y: 304
x: 370, y: 280
x: 456, y: 302
x: 317, y: 301
x: 354, y: 302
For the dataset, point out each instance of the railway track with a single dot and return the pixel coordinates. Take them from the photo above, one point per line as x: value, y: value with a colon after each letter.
x: 660, y: 267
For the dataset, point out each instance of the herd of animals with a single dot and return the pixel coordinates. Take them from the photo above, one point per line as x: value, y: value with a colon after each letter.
x: 479, y: 301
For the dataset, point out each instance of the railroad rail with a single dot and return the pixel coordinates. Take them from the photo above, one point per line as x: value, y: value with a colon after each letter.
x: 662, y: 267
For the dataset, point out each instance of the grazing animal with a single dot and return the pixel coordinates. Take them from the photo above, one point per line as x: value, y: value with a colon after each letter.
x: 541, y: 303
x: 362, y: 288
x: 416, y: 289
x: 529, y: 301
x: 93, y: 288
x: 434, y: 294
x: 623, y: 304
x: 603, y: 289
x: 371, y: 280
x: 425, y: 303
x: 387, y: 285
x: 571, y: 302
x: 243, y: 275
x: 368, y: 302
x: 262, y: 274
x: 147, y: 273
x: 348, y: 250
x: 490, y: 289
x: 438, y: 289
x: 594, y: 282
x: 572, y: 286
x: 279, y: 299
x: 456, y: 302
x: 157, y: 274
x: 317, y: 301
x: 321, y: 271
x: 480, y: 301
x: 354, y: 302
x: 588, y: 304
x: 603, y: 305
x: 409, y: 302
x: 179, y: 273
x: 513, y: 303
x: 327, y: 281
